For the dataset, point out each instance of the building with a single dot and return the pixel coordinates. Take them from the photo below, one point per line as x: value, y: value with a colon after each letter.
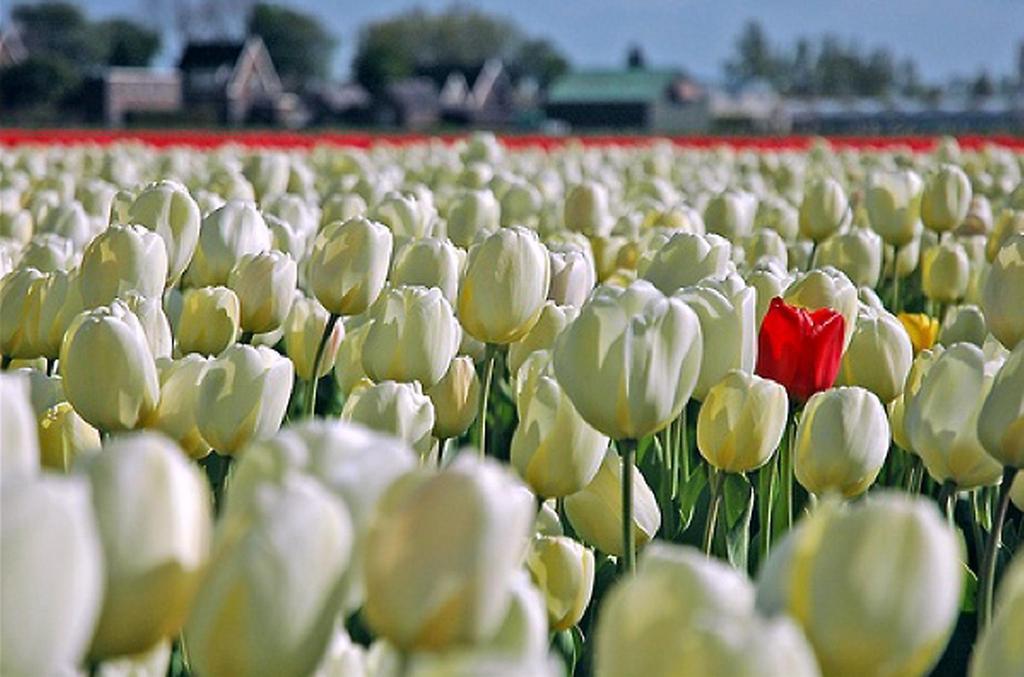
x: 232, y: 82
x: 491, y: 101
x: 12, y: 49
x: 751, y: 108
x: 637, y: 98
x: 130, y: 92
x: 950, y: 114
x: 411, y: 103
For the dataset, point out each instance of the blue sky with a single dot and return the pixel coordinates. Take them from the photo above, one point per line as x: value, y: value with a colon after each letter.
x: 945, y: 37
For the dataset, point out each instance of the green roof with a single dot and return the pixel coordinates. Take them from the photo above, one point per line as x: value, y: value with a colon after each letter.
x: 611, y: 86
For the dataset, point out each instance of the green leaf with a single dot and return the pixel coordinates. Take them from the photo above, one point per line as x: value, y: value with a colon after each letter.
x: 969, y: 595
x: 689, y: 495
x: 738, y: 504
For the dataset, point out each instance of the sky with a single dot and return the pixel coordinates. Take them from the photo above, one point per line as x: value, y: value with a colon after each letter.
x: 944, y: 37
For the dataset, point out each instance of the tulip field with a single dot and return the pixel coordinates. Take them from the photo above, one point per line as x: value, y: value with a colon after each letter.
x: 475, y: 407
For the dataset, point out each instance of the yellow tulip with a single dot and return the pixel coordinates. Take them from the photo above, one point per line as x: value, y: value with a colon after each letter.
x: 921, y: 328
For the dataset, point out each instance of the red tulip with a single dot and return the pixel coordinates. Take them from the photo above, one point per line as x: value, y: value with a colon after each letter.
x: 800, y: 349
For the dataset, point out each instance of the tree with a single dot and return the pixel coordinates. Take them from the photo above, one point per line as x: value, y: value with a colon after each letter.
x: 128, y: 43
x: 457, y: 38
x: 635, y: 59
x: 57, y: 29
x: 298, y: 44
x: 982, y: 87
x: 38, y: 81
x: 754, y: 56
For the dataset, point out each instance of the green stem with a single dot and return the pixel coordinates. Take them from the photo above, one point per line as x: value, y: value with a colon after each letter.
x: 246, y: 338
x: 976, y: 537
x: 947, y: 499
x: 715, y: 487
x: 683, y: 447
x: 988, y: 568
x: 217, y: 468
x: 5, y: 362
x: 485, y: 394
x: 765, y: 497
x: 441, y: 446
x: 895, y: 280
x: 628, y: 451
x: 317, y: 358
x: 786, y: 472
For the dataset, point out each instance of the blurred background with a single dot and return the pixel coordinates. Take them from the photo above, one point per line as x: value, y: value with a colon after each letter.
x: 621, y: 66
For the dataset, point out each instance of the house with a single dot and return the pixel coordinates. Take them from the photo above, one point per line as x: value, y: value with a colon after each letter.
x: 412, y: 103
x: 338, y: 103
x: 636, y: 98
x: 753, y: 107
x: 12, y: 49
x: 951, y: 113
x: 128, y: 92
x: 232, y: 82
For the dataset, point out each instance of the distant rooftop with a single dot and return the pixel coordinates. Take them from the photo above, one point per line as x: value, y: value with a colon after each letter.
x: 612, y: 86
x: 211, y: 54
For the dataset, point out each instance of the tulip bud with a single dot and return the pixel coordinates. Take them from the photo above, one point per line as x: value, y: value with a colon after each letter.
x: 209, y: 320
x: 1003, y: 296
x: 47, y: 252
x: 399, y: 409
x: 677, y: 603
x: 414, y: 336
x: 155, y: 324
x: 942, y: 418
x: 824, y: 210
x: 768, y: 280
x: 285, y: 238
x: 68, y: 220
x: 119, y: 260
x: 505, y: 286
x: 552, y: 321
x: 686, y: 259
x: 878, y: 357
x: 553, y: 449
x: 630, y: 361
x: 405, y: 216
x: 731, y: 215
x: 893, y: 201
x: 52, y: 583
x: 564, y: 571
x: 268, y: 172
x: 226, y: 235
x: 50, y: 306
x: 155, y: 560
x: 473, y: 215
x: 16, y: 225
x: 342, y: 207
x: 456, y: 399
x: 429, y: 262
x: 349, y: 265
x: 921, y: 328
x: 964, y: 323
x: 572, y: 276
x: 825, y: 573
x: 586, y: 209
x: 301, y: 538
x: 946, y: 198
x: 997, y: 651
x: 766, y: 244
x: 945, y: 271
x: 405, y: 560
x: 1010, y: 222
x: 520, y: 204
x: 741, y: 422
x: 63, y: 435
x: 1001, y: 420
x: 595, y: 512
x: 265, y: 286
x: 167, y: 209
x: 798, y: 349
x: 857, y: 253
x: 19, y: 451
x: 109, y: 341
x: 243, y: 396
x: 175, y: 414
x: 15, y: 337
x: 841, y: 442
x: 348, y: 362
x: 728, y: 331
x: 303, y: 331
